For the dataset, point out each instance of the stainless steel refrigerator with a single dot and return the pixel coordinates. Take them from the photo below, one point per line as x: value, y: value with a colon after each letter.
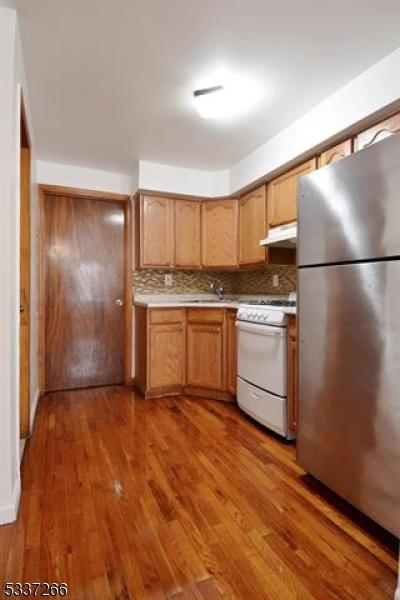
x: 349, y: 329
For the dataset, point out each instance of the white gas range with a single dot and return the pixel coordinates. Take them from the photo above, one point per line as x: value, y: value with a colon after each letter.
x: 262, y: 362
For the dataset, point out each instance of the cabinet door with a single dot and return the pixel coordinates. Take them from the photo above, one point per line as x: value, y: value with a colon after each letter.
x: 282, y: 194
x: 166, y: 355
x: 292, y: 373
x: 335, y: 153
x: 219, y: 233
x: 156, y: 232
x: 378, y: 132
x: 187, y: 233
x: 252, y: 226
x: 204, y: 355
x: 232, y: 351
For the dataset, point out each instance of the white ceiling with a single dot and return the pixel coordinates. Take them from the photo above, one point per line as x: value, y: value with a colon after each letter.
x: 111, y: 80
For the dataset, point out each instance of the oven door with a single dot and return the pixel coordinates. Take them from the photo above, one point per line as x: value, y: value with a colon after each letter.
x: 262, y: 356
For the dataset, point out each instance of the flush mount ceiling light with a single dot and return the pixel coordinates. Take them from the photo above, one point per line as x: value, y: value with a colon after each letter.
x: 227, y: 99
x: 210, y: 102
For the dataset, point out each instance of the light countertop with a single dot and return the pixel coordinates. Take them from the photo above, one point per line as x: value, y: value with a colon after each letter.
x: 201, y: 301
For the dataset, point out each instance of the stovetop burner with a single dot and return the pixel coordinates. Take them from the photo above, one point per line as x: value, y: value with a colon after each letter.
x: 272, y: 302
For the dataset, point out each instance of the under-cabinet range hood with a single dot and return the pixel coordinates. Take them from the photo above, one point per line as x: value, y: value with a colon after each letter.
x: 284, y: 236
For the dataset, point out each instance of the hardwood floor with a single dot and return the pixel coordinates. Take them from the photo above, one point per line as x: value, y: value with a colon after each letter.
x: 181, y: 498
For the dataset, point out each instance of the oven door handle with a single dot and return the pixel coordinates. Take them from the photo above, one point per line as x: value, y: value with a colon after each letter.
x: 261, y: 329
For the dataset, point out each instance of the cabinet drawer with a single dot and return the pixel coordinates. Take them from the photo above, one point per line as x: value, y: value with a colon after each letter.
x: 206, y: 315
x: 166, y: 315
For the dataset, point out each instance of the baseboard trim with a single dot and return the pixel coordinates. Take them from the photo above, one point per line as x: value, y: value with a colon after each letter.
x: 36, y: 397
x: 9, y: 514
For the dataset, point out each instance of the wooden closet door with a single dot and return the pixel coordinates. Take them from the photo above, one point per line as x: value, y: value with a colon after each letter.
x: 84, y: 281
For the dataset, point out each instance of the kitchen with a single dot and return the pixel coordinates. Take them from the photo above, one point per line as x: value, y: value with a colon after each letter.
x: 211, y: 406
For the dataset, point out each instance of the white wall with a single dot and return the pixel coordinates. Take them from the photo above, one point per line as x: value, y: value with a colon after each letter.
x: 83, y: 177
x: 372, y: 91
x: 12, y: 79
x: 9, y: 479
x: 181, y: 180
x: 367, y: 95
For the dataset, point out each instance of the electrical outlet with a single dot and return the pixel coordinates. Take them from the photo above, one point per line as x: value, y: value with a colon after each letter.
x: 168, y: 279
x: 275, y: 281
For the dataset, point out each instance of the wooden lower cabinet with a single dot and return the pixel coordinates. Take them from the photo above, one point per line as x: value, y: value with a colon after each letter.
x: 190, y: 351
x: 292, y: 373
x: 204, y: 355
x: 166, y: 356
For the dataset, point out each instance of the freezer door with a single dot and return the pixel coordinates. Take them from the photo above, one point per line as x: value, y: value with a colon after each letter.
x: 349, y: 384
x: 350, y: 210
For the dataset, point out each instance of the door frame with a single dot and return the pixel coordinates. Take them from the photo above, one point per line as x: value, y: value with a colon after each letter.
x: 25, y: 248
x: 126, y: 201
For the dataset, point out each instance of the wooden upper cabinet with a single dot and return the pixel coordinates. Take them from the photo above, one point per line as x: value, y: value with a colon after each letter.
x: 187, y: 233
x: 252, y: 226
x: 156, y: 231
x: 219, y: 233
x: 282, y: 194
x: 335, y: 153
x: 378, y: 132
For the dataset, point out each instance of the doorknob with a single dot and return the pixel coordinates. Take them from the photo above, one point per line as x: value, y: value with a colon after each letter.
x: 119, y: 302
x: 22, y: 308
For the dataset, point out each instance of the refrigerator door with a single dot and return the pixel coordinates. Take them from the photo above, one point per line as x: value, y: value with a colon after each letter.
x: 350, y: 210
x: 349, y: 384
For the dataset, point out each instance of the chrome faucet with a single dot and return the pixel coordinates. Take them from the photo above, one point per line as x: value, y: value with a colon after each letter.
x: 218, y: 289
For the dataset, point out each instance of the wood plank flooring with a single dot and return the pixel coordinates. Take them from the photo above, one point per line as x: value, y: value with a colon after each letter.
x: 181, y: 498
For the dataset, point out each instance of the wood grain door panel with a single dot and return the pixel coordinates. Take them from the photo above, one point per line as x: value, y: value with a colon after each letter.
x: 252, y: 227
x: 166, y: 355
x: 336, y: 153
x: 204, y: 355
x: 157, y: 230
x: 25, y: 289
x: 187, y: 233
x: 84, y: 276
x: 282, y: 194
x: 219, y: 233
x: 378, y: 132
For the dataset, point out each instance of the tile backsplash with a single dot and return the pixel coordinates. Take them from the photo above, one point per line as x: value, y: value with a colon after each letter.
x: 250, y: 281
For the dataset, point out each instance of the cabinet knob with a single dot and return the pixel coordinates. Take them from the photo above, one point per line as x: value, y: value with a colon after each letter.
x: 119, y: 302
